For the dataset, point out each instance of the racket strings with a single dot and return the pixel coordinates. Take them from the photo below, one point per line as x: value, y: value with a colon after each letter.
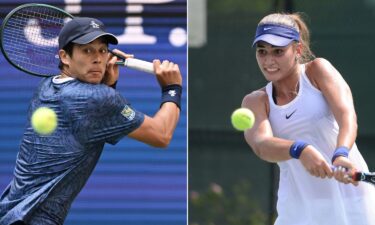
x: 30, y: 39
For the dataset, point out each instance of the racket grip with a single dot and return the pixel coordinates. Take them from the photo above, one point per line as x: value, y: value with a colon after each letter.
x: 334, y: 168
x: 138, y: 65
x: 356, y: 176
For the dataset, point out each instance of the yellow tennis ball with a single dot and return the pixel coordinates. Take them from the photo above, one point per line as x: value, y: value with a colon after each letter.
x: 44, y: 120
x: 242, y: 119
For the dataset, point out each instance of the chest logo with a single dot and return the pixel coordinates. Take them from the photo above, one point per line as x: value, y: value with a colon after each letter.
x: 288, y: 116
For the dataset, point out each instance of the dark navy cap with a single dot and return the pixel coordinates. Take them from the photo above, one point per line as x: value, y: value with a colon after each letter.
x: 83, y: 30
x: 276, y: 35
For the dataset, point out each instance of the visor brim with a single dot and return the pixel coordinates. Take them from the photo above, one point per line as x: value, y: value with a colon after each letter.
x: 273, y: 40
x: 87, y: 38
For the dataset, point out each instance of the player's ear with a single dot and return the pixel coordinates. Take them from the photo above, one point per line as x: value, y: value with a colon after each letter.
x: 64, y: 57
x: 299, y: 48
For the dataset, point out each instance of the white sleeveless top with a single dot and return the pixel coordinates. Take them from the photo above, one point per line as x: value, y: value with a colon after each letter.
x: 302, y: 198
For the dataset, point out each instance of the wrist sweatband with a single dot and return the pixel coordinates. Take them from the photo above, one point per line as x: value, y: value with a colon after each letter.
x: 171, y: 93
x: 340, y: 151
x: 297, y: 148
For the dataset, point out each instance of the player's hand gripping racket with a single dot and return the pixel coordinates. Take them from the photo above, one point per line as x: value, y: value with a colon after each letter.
x: 29, y: 40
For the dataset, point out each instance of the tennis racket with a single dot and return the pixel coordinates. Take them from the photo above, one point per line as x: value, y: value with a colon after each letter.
x: 360, y: 176
x: 366, y: 177
x: 29, y: 40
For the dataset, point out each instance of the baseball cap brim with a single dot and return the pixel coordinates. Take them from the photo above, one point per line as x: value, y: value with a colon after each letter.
x: 87, y: 38
x: 273, y: 40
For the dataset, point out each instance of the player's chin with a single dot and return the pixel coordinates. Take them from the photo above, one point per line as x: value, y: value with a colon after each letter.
x: 272, y: 76
x: 95, y: 77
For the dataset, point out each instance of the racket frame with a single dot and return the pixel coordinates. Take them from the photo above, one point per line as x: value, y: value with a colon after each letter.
x: 4, y: 23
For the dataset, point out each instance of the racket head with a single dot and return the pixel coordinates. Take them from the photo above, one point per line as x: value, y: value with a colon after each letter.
x: 29, y: 38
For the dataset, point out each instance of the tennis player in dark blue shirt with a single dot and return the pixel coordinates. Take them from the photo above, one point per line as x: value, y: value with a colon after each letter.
x: 51, y: 170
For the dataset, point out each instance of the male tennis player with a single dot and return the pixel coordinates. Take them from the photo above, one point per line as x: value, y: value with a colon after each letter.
x: 51, y: 170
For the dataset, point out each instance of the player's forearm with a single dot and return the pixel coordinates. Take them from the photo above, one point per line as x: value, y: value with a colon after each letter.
x: 167, y: 118
x: 347, y: 130
x: 272, y: 149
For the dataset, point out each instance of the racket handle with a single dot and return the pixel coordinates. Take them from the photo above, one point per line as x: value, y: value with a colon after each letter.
x: 356, y: 176
x: 138, y: 65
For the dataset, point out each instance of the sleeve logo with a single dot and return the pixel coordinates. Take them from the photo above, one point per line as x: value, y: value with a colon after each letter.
x: 128, y: 113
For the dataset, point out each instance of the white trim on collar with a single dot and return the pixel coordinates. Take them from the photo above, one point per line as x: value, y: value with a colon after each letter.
x: 58, y: 80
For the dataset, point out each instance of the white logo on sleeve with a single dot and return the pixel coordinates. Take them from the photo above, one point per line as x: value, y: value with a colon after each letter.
x: 172, y: 93
x: 128, y: 113
x: 94, y: 25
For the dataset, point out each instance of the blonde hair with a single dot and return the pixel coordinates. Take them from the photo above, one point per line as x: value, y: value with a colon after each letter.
x: 296, y: 22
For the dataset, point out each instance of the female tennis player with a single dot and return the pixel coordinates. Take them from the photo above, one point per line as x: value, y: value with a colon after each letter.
x: 306, y: 123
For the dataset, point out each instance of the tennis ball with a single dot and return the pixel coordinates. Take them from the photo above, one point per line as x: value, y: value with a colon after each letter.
x: 242, y: 119
x: 44, y: 120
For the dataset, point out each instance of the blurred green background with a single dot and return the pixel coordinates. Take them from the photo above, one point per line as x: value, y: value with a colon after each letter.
x: 223, y: 69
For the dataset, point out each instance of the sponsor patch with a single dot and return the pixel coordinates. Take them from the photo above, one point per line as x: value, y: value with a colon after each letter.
x: 128, y: 113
